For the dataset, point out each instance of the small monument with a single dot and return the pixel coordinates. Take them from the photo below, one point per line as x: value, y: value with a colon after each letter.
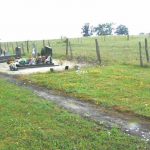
x: 18, y: 51
x: 46, y: 51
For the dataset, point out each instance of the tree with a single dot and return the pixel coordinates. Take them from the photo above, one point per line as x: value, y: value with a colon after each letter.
x: 87, y: 30
x: 122, y: 30
x: 104, y: 29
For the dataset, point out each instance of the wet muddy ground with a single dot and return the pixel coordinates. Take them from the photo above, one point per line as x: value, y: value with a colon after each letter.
x: 130, y: 124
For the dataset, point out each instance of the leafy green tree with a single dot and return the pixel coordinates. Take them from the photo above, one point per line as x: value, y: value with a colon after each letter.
x: 87, y: 30
x: 122, y: 30
x: 104, y: 29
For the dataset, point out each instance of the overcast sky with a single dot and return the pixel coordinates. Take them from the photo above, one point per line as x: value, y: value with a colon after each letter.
x: 48, y: 19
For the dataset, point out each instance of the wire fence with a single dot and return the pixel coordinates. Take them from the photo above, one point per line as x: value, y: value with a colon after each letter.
x: 113, y: 49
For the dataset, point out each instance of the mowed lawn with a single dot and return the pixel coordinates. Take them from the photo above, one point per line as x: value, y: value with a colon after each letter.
x: 124, y: 88
x: 29, y: 122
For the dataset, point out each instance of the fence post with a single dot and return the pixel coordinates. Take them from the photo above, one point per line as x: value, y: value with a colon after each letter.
x: 104, y: 37
x: 43, y: 43
x: 13, y: 48
x: 128, y: 37
x: 141, y: 60
x: 70, y: 50
x: 146, y: 50
x: 28, y: 46
x: 23, y: 48
x: 67, y: 46
x: 17, y: 44
x: 98, y: 51
x: 7, y: 46
x: 49, y: 43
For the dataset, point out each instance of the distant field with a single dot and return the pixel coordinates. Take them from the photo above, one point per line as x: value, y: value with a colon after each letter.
x: 114, y: 49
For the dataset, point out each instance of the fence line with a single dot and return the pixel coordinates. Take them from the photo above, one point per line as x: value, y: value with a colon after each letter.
x: 113, y: 50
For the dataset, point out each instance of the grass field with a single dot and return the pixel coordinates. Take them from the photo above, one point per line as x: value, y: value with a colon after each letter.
x: 124, y: 88
x: 119, y: 84
x: 29, y: 122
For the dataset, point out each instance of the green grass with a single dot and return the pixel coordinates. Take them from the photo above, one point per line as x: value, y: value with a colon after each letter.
x: 29, y: 122
x: 121, y: 87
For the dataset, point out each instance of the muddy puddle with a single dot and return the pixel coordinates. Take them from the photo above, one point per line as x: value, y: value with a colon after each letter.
x: 129, y: 124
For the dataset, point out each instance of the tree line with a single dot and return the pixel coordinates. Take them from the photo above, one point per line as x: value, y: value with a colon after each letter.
x: 104, y: 29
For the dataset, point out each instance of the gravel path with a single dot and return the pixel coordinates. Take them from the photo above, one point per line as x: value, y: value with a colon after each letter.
x: 4, y: 68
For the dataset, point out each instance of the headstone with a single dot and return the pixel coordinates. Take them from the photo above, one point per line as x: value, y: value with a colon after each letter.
x: 46, y: 51
x: 1, y: 51
x: 34, y: 52
x: 18, y: 51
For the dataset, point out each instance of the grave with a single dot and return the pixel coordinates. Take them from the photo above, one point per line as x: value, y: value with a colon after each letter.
x: 6, y: 57
x: 46, y: 51
x: 18, y: 52
x: 37, y: 60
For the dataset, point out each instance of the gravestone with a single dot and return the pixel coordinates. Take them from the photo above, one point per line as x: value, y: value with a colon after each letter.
x: 34, y: 50
x: 1, y: 51
x: 18, y: 51
x: 46, y: 51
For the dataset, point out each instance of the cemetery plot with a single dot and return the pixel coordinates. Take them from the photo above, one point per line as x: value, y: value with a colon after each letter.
x: 43, y: 59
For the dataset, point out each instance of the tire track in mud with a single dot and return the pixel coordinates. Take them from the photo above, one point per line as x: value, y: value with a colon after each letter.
x: 132, y: 125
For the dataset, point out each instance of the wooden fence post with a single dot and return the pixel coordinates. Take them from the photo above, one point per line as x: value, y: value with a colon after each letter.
x: 49, y: 43
x: 104, y: 37
x: 98, y: 51
x: 17, y: 44
x: 13, y: 48
x: 28, y: 46
x: 146, y: 50
x: 141, y: 60
x: 22, y: 48
x: 67, y: 46
x: 128, y: 37
x: 71, y: 55
x: 43, y: 43
x: 7, y: 46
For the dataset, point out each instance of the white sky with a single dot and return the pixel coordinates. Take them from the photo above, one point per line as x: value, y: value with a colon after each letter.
x: 48, y: 19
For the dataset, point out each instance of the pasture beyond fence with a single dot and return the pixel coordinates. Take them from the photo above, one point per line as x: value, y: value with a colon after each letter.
x: 104, y: 50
